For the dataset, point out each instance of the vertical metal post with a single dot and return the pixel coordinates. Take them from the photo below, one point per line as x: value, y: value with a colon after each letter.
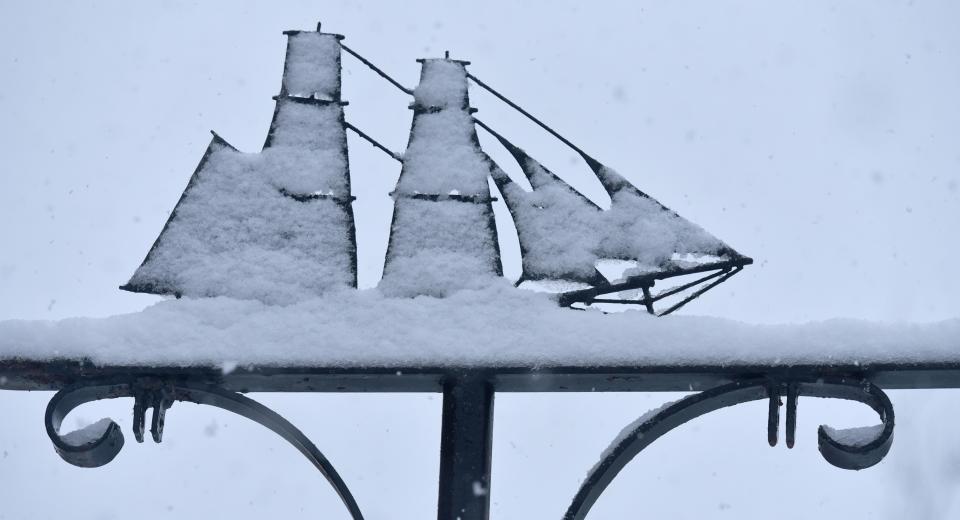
x: 466, y: 442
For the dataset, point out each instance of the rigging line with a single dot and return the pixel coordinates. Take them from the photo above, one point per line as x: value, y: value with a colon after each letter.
x: 483, y: 125
x: 533, y: 118
x: 376, y: 69
x: 503, y: 140
x: 397, y: 157
x: 700, y: 291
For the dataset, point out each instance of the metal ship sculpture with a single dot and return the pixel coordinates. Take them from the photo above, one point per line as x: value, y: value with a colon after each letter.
x: 278, y: 224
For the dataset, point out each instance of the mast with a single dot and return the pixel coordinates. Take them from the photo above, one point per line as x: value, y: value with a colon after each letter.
x: 308, y: 134
x: 276, y: 225
x: 443, y: 235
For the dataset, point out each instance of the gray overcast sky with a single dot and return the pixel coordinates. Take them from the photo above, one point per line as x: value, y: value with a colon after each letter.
x: 819, y: 137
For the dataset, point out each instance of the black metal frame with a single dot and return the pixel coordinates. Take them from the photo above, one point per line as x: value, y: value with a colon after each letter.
x: 469, y: 391
x: 468, y: 398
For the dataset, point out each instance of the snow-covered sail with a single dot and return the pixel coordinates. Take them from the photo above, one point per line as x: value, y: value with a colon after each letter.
x: 275, y: 225
x: 443, y: 236
x: 564, y: 237
x: 278, y: 225
x: 556, y: 225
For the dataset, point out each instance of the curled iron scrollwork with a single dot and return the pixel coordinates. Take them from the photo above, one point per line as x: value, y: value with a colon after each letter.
x: 854, y: 449
x: 97, y: 444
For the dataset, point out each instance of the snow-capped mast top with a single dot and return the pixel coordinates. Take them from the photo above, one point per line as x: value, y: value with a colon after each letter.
x: 443, y: 157
x: 308, y: 121
x: 312, y: 67
x: 443, y: 84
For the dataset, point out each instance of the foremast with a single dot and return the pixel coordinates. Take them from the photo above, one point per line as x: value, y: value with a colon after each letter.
x: 276, y: 225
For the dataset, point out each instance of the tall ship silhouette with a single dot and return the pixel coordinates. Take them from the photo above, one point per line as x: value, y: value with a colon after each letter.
x: 278, y: 225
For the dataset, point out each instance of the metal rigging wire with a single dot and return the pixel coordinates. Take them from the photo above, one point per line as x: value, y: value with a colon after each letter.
x: 376, y: 69
x: 397, y: 157
x: 533, y: 118
x: 486, y: 87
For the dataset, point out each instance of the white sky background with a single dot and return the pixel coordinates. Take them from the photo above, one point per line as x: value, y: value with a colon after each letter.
x: 821, y: 138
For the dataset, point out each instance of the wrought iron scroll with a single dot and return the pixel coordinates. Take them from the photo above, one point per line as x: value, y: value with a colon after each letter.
x: 98, y: 447
x: 853, y: 454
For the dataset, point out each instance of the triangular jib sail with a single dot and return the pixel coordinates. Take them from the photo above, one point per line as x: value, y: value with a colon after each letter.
x: 564, y: 237
x: 632, y: 245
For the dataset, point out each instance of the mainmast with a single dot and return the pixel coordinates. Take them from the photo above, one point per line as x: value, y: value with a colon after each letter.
x: 443, y: 235
x: 277, y: 225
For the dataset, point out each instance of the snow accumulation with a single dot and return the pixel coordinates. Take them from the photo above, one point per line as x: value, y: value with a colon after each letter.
x: 495, y: 326
x: 627, y: 432
x: 89, y: 433
x: 274, y: 225
x: 564, y: 235
x: 305, y: 155
x: 860, y: 436
x: 443, y: 235
x: 308, y: 71
x: 558, y: 228
x: 237, y: 232
x: 443, y: 154
x: 438, y: 247
x: 261, y: 248
x: 443, y: 84
x: 639, y: 228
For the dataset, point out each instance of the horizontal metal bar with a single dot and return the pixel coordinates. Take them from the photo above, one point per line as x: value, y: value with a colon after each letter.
x: 55, y: 375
